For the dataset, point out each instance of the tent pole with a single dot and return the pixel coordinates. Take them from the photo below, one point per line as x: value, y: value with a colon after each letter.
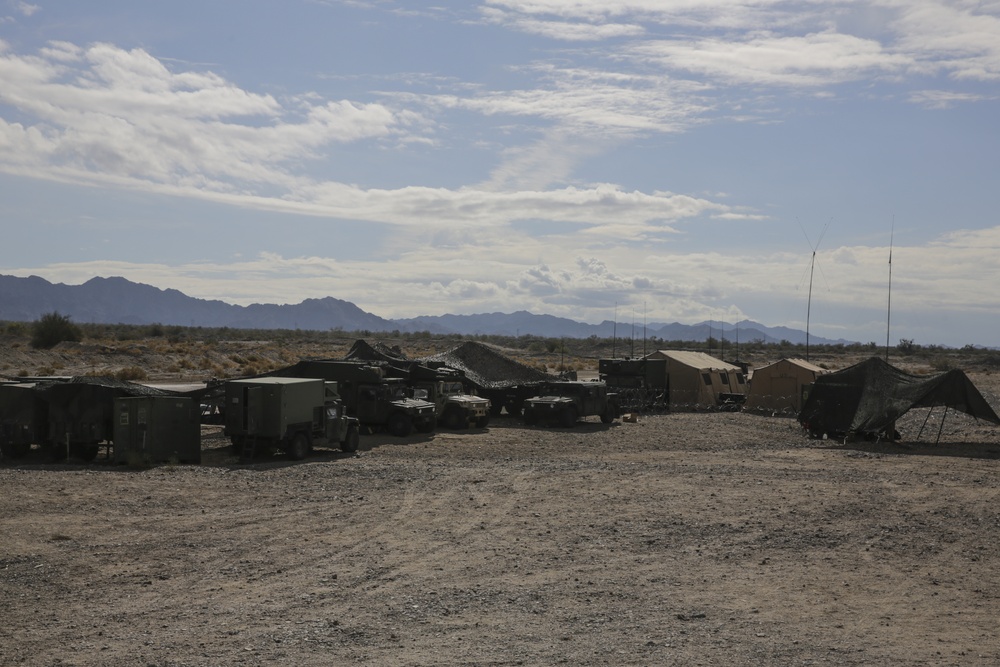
x: 925, y: 422
x: 941, y: 428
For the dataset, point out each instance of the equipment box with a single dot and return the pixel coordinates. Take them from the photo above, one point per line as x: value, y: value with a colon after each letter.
x: 157, y: 428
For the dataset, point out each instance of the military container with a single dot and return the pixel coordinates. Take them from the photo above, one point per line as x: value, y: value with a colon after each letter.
x: 23, y: 418
x: 157, y: 428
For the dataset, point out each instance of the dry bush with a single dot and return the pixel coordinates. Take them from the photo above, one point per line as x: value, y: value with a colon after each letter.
x: 132, y: 374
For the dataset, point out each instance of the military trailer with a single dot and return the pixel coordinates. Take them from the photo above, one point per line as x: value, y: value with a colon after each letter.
x: 641, y: 384
x: 81, y: 418
x: 23, y: 418
x: 150, y: 429
x: 288, y: 414
x: 563, y: 403
x: 377, y: 401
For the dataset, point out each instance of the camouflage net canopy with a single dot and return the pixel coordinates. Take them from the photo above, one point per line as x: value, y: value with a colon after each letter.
x: 118, y: 388
x: 363, y: 351
x: 488, y: 368
x: 869, y: 397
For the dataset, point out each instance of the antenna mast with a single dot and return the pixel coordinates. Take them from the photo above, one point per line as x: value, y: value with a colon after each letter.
x: 888, y: 307
x: 614, y: 333
x: 812, y: 268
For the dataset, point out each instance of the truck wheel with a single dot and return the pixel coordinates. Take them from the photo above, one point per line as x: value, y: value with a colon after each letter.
x: 483, y: 421
x: 453, y: 420
x: 530, y: 418
x: 569, y: 417
x: 85, y: 451
x: 400, y: 425
x: 299, y: 448
x: 607, y: 417
x: 350, y: 443
x: 15, y: 450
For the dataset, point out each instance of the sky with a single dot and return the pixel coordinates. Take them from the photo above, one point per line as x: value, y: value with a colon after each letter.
x: 830, y: 166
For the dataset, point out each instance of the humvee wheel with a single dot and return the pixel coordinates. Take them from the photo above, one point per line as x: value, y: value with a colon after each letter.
x: 350, y: 443
x: 607, y: 417
x: 400, y: 425
x: 530, y: 418
x: 453, y: 420
x: 568, y: 417
x: 299, y: 448
x: 483, y: 421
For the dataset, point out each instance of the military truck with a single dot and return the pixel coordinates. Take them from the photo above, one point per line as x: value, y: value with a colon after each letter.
x: 563, y: 403
x: 293, y: 415
x: 455, y: 408
x: 444, y: 387
x: 378, y: 402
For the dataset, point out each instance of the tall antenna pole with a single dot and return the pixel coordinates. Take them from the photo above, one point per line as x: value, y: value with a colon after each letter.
x: 888, y: 307
x: 644, y: 329
x: 631, y: 352
x: 614, y: 333
x: 812, y: 268
x: 809, y: 302
x: 737, y: 340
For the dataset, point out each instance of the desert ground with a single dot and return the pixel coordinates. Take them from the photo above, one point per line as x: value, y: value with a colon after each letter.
x: 709, y: 538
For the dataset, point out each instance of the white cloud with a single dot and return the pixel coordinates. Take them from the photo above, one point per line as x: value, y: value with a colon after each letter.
x: 810, y: 60
x: 106, y: 113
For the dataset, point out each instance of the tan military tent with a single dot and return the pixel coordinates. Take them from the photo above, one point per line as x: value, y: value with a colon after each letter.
x: 779, y: 387
x: 696, y: 379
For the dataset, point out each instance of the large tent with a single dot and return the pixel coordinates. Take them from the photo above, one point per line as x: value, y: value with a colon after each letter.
x: 779, y: 387
x: 696, y: 379
x: 870, y: 396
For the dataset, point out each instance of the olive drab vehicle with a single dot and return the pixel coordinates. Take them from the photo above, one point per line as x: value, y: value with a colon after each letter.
x: 293, y: 415
x: 378, y: 402
x: 563, y: 403
x: 454, y: 407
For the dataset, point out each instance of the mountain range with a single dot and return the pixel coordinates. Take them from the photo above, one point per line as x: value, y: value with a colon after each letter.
x: 119, y: 301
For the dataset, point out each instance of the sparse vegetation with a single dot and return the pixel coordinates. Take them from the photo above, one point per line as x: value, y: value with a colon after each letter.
x: 52, y: 329
x: 199, y: 352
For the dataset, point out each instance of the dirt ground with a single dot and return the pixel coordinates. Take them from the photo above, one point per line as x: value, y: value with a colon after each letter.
x: 682, y: 539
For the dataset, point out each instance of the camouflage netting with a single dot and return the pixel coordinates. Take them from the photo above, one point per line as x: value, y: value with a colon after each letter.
x: 870, y: 396
x: 487, y: 367
x: 121, y: 388
x: 363, y: 351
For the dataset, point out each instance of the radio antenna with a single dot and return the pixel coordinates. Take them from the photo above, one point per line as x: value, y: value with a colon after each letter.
x: 812, y: 268
x: 888, y: 307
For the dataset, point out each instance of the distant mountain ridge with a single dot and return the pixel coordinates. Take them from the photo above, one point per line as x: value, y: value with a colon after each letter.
x: 119, y: 301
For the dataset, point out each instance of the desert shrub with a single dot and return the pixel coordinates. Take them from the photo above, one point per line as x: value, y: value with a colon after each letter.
x: 53, y: 329
x: 941, y: 364
x: 16, y: 328
x: 131, y: 373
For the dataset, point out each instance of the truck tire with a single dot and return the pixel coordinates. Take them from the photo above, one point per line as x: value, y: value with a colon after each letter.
x: 400, y: 425
x: 85, y: 451
x: 568, y: 417
x: 453, y: 420
x: 15, y: 450
x: 350, y: 443
x: 607, y: 416
x: 483, y: 422
x: 530, y: 418
x: 299, y: 449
